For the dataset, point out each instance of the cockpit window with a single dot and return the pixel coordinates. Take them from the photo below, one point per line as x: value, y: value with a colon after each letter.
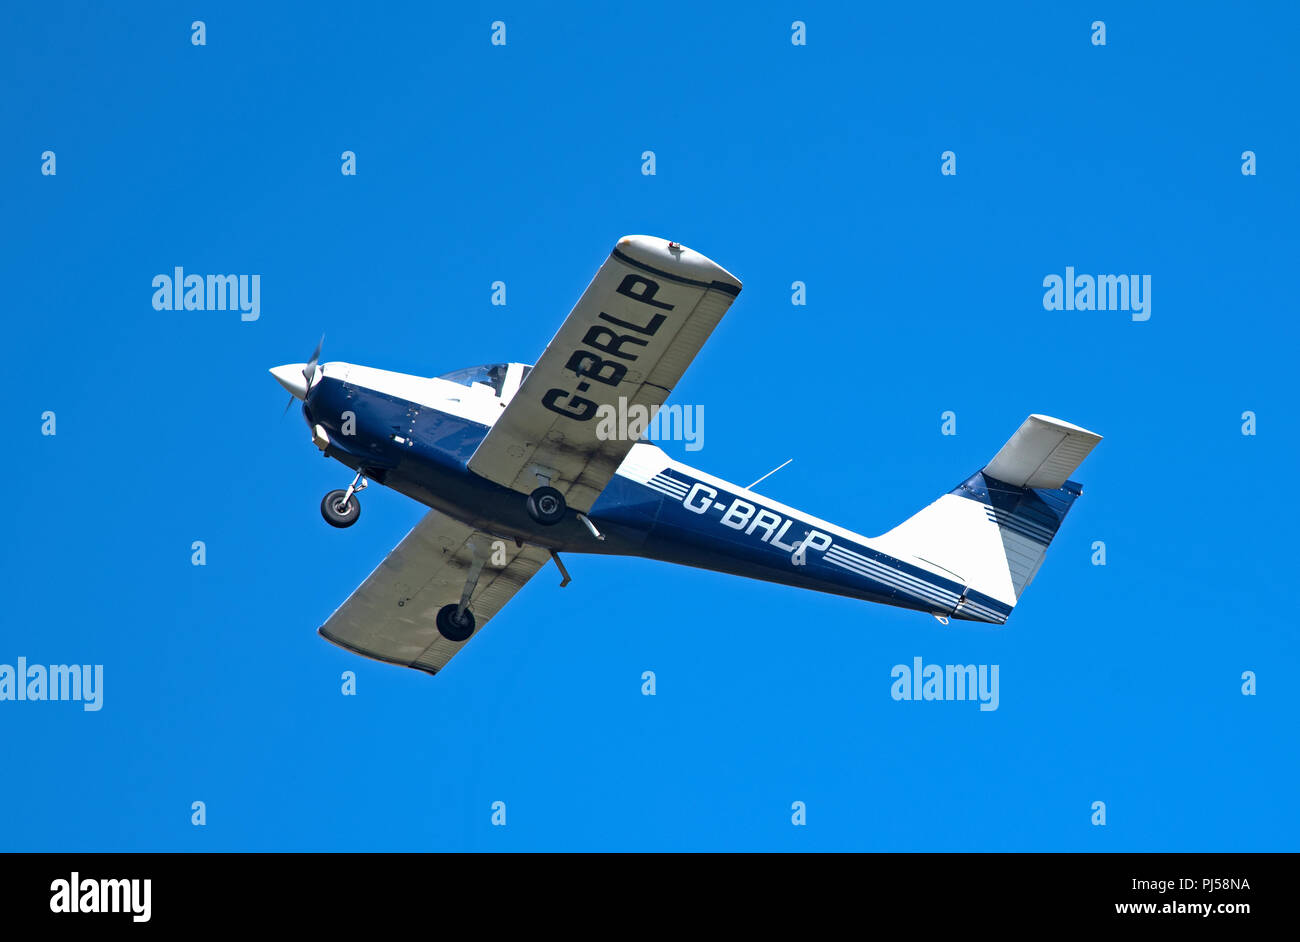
x: 493, y: 375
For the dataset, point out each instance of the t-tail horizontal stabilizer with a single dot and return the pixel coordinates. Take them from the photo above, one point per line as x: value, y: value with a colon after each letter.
x: 991, y: 532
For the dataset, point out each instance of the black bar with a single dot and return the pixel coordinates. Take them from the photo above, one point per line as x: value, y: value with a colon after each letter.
x: 925, y: 891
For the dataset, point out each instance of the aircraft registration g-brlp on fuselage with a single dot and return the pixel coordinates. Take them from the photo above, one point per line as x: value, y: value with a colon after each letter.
x: 518, y: 467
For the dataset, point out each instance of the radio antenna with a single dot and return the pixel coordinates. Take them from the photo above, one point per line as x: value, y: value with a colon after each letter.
x: 769, y: 474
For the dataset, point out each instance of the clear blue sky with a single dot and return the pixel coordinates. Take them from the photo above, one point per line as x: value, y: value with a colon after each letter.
x: 478, y: 163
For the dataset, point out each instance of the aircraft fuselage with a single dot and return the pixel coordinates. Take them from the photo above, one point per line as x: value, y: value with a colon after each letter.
x: 413, y: 436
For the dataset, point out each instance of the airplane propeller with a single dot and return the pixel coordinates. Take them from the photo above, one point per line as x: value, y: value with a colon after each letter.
x: 287, y: 377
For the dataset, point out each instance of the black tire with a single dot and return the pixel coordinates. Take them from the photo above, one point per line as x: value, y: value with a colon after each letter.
x: 546, y: 506
x: 336, y: 517
x: 454, y: 629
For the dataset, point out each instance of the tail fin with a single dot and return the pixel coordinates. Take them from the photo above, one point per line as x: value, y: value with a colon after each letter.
x: 991, y: 532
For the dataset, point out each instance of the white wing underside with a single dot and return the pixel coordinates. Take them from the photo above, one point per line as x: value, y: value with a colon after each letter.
x: 391, y: 616
x: 643, y: 279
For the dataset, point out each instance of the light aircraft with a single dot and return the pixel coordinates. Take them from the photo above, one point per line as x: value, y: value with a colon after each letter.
x: 511, y: 460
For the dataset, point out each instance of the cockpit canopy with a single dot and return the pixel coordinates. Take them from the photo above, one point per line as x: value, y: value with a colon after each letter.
x: 492, y: 375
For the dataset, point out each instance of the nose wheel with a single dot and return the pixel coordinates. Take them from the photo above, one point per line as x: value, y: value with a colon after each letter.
x: 339, y: 510
x: 342, y: 508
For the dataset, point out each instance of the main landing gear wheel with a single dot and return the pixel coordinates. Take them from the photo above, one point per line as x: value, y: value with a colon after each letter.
x: 546, y: 506
x: 453, y: 626
x: 340, y: 509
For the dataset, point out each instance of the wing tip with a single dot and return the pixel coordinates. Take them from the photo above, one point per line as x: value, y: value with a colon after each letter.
x: 675, y: 259
x: 372, y: 656
x: 1063, y: 425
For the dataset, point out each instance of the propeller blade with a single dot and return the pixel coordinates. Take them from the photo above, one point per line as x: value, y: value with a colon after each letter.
x: 309, y: 371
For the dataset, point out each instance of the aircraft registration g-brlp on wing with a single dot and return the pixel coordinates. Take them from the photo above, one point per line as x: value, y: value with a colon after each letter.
x: 512, y: 460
